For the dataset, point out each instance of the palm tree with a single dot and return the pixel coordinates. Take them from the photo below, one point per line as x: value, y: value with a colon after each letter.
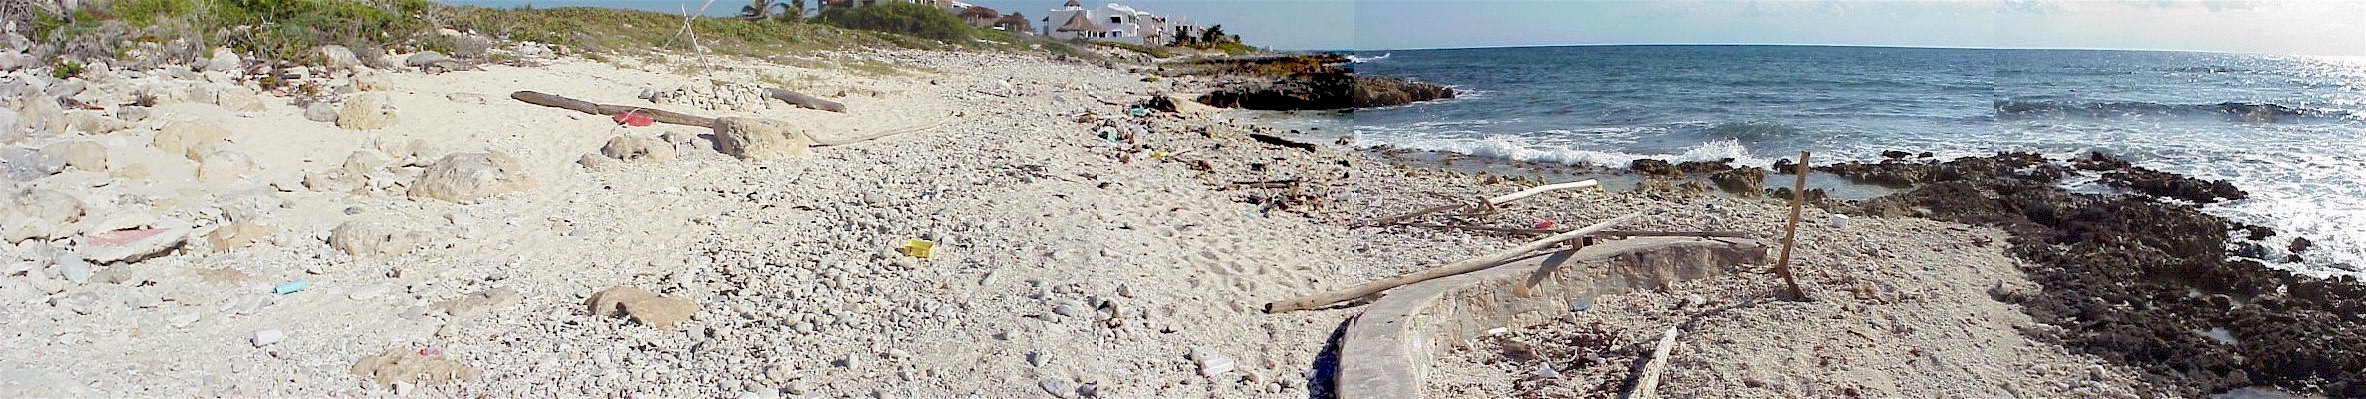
x: 792, y: 10
x: 1213, y: 35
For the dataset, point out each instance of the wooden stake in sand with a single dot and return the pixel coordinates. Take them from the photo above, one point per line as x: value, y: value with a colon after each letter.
x: 1791, y: 230
x: 1460, y: 267
x: 1647, y: 385
x: 1498, y: 200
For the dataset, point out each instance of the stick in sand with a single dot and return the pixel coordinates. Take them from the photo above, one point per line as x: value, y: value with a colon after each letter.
x: 1460, y: 267
x: 1647, y: 385
x: 1791, y: 230
x: 1498, y: 200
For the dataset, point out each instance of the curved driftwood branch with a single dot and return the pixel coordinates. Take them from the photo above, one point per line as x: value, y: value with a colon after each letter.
x: 1498, y: 200
x: 1464, y: 266
x: 659, y: 115
x: 1647, y: 386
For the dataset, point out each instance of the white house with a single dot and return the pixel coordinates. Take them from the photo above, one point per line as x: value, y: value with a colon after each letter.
x: 1112, y: 22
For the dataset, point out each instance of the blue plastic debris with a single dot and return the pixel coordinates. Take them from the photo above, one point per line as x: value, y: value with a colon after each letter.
x: 289, y: 287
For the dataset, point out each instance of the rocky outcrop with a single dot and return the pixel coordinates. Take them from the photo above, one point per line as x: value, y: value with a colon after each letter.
x: 1310, y: 82
x: 2144, y: 282
x: 1374, y: 91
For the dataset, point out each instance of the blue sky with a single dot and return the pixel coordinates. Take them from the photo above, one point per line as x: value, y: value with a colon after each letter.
x: 2317, y: 27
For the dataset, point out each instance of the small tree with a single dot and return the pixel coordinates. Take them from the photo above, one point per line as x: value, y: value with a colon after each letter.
x: 793, y: 10
x: 1213, y: 35
x: 900, y: 18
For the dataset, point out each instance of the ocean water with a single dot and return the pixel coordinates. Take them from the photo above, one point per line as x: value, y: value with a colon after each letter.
x: 2290, y: 130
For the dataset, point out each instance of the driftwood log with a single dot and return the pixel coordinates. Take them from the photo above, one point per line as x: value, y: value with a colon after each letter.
x: 659, y: 115
x: 802, y: 100
x: 1450, y: 269
x: 1647, y: 385
x: 1498, y: 200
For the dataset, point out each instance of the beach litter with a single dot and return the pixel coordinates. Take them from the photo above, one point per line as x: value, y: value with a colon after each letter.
x: 634, y: 119
x: 290, y: 287
x: 918, y: 248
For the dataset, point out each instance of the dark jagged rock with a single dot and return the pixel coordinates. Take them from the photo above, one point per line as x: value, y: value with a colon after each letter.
x: 2170, y: 185
x: 1654, y: 167
x: 1747, y: 181
x: 1371, y: 92
x: 1311, y: 82
x: 1895, y: 154
x: 2141, y: 282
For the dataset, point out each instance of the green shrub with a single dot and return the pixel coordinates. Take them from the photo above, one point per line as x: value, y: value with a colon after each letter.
x: 900, y: 18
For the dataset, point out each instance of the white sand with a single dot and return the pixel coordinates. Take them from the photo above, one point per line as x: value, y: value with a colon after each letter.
x: 1042, y: 231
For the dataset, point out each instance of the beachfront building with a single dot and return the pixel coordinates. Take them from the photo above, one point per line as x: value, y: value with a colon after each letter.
x: 1114, y: 22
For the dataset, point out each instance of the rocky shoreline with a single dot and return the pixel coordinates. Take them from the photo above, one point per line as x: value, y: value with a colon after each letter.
x: 1304, y: 82
x: 2148, y: 280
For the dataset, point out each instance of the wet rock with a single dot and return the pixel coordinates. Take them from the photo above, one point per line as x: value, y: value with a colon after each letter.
x: 191, y: 139
x: 2169, y: 185
x: 83, y: 155
x: 1748, y: 181
x: 367, y: 111
x: 642, y: 306
x: 757, y: 139
x: 132, y: 245
x: 371, y: 239
x: 403, y: 366
x: 638, y: 149
x: 1371, y: 91
x: 467, y: 177
x: 320, y: 111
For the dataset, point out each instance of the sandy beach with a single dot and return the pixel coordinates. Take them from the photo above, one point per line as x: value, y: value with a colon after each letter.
x: 434, y: 237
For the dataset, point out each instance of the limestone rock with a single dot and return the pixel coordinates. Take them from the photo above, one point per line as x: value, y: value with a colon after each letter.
x: 432, y: 62
x: 44, y: 115
x: 191, y: 139
x: 641, y: 306
x: 373, y: 239
x: 477, y: 304
x: 39, y: 213
x: 638, y: 149
x: 338, y: 57
x: 320, y: 112
x: 26, y: 164
x: 131, y: 245
x: 223, y: 167
x: 466, y: 177
x: 238, y: 234
x: 596, y: 162
x: 238, y: 99
x: 372, y: 81
x: 82, y: 155
x: 754, y: 138
x: 224, y: 60
x: 12, y: 127
x: 367, y: 111
x: 407, y: 366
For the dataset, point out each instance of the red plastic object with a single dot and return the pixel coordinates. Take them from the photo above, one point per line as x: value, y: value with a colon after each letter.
x: 1542, y: 224
x: 634, y: 119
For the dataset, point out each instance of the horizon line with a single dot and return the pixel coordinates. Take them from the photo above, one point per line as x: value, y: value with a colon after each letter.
x: 1934, y: 47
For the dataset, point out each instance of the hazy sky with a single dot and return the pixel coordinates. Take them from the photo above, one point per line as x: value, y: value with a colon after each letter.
x: 2321, y: 27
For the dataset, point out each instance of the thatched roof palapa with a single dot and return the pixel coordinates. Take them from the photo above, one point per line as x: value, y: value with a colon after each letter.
x: 1073, y: 4
x: 1079, y: 23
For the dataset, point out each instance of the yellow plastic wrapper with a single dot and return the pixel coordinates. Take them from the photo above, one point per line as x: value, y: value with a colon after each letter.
x: 917, y: 248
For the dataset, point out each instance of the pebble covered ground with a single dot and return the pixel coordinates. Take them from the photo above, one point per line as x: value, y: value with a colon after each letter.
x: 419, y: 234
